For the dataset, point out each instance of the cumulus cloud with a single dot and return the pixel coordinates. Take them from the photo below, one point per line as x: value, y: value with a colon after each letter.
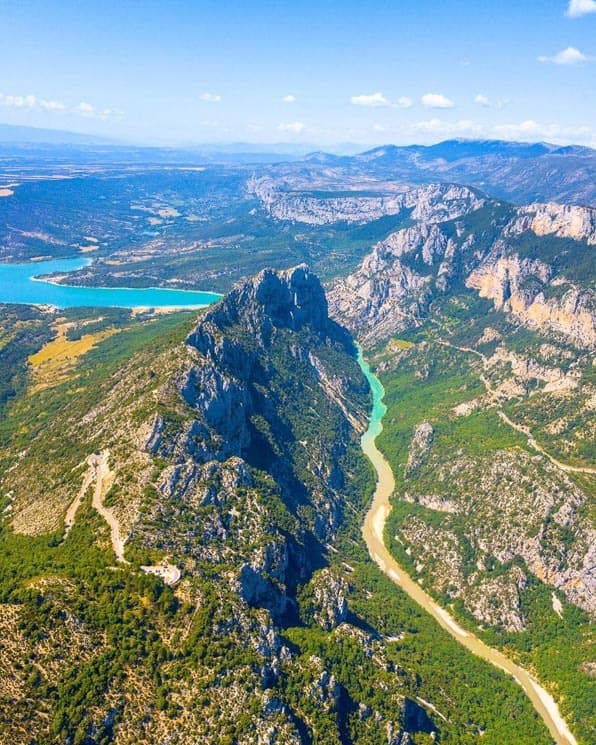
x: 569, y: 56
x: 85, y: 108
x: 33, y: 103
x: 379, y: 100
x: 375, y: 100
x: 89, y: 111
x: 292, y: 127
x: 289, y: 98
x: 30, y: 102
x: 482, y: 100
x: 489, y: 103
x: 533, y: 130
x: 51, y: 105
x: 436, y: 101
x: 579, y: 8
x: 210, y: 97
x: 528, y: 130
x: 435, y: 129
x: 438, y: 126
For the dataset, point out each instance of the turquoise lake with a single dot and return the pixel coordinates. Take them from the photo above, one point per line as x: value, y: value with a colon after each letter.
x: 20, y: 283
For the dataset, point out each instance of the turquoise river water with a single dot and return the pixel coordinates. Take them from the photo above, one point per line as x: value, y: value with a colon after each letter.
x: 373, y: 533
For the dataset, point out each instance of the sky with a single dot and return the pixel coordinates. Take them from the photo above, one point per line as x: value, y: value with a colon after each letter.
x: 206, y: 71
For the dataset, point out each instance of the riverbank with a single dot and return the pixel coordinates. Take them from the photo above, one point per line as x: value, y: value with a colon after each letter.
x: 372, y: 530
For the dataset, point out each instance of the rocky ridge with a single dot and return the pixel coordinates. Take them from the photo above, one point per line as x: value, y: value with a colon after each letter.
x: 510, y: 283
x: 395, y: 284
x: 270, y: 335
x: 434, y: 202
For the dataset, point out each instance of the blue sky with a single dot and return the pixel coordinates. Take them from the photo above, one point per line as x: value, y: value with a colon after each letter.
x: 178, y: 71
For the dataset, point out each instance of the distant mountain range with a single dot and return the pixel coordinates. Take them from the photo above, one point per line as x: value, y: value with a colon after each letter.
x: 17, y: 135
x: 518, y: 171
x: 521, y: 172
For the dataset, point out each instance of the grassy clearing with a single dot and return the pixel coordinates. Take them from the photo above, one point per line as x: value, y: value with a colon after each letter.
x: 56, y: 359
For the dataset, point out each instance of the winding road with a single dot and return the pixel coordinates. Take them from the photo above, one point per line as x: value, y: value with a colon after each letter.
x: 522, y: 429
x: 100, y: 463
x: 372, y: 531
x: 99, y: 472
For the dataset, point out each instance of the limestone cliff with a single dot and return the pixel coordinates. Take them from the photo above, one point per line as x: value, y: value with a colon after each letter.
x: 431, y: 203
x: 392, y: 288
x: 532, y: 263
x: 563, y: 220
x: 511, y: 283
x: 261, y: 357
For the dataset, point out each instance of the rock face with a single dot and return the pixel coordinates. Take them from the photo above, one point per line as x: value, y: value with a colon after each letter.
x: 328, y: 604
x: 562, y: 220
x: 508, y: 282
x: 271, y: 300
x: 259, y: 351
x: 420, y: 445
x: 395, y: 284
x: 434, y: 202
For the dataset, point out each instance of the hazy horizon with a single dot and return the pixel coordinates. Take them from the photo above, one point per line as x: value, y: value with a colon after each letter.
x: 74, y: 137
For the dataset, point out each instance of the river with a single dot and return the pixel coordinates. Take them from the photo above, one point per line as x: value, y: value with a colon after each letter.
x: 25, y: 283
x: 372, y: 531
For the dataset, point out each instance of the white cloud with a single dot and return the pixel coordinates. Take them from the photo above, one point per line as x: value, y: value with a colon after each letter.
x: 380, y: 101
x: 579, y: 8
x: 289, y: 98
x: 375, y: 100
x: 109, y: 113
x: 438, y: 126
x: 33, y: 103
x: 436, y: 101
x: 51, y: 105
x: 435, y: 129
x: 86, y: 109
x: 569, y: 56
x: 210, y: 97
x: 533, y: 131
x: 489, y: 103
x: 292, y: 127
x: 21, y: 102
x: 89, y: 111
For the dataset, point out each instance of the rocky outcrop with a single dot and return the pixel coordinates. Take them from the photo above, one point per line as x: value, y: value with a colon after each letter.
x: 562, y: 220
x: 498, y: 601
x: 432, y: 203
x: 419, y: 446
x: 518, y: 507
x: 253, y: 357
x: 519, y: 286
x: 327, y: 601
x: 392, y: 288
x: 290, y: 299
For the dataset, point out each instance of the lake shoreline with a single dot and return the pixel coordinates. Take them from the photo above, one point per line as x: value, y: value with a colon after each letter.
x: 17, y: 286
